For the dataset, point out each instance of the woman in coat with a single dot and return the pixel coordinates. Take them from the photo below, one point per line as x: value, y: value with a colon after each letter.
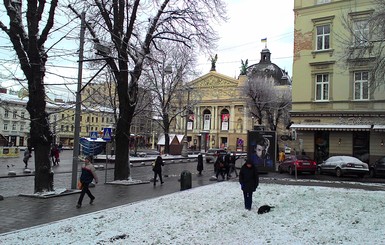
x: 249, y: 180
x: 158, y: 169
x: 88, y: 174
x: 200, y: 164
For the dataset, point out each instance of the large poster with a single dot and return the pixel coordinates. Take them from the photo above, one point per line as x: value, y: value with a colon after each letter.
x: 190, y: 122
x: 225, y: 121
x: 262, y: 149
x: 206, y: 121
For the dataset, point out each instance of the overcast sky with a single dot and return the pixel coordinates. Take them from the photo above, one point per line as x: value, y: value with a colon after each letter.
x: 249, y: 22
x: 240, y: 39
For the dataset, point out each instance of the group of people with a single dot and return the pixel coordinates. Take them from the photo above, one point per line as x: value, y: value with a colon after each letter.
x: 225, y: 165
x: 248, y: 176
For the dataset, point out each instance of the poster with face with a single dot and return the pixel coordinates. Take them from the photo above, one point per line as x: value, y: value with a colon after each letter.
x: 261, y: 149
x: 225, y: 121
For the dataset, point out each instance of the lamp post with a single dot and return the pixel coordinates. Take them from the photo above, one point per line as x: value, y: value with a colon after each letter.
x: 184, y: 152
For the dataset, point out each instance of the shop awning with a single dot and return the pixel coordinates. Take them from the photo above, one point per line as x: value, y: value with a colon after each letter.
x: 331, y: 127
x: 379, y: 127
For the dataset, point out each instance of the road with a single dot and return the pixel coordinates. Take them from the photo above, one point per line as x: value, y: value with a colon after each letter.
x: 141, y: 170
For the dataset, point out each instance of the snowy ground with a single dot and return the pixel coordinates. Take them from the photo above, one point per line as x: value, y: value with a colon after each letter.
x: 214, y: 214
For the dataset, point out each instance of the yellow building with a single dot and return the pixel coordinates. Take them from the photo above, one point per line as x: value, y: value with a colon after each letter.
x: 335, y: 110
x: 220, y: 116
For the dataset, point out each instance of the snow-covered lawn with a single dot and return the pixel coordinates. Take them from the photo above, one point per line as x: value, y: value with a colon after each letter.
x: 215, y: 214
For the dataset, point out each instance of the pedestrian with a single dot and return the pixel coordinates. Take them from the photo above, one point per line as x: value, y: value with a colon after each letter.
x: 52, y: 154
x: 157, y: 168
x: 249, y: 180
x: 56, y: 152
x: 27, y: 156
x: 233, y: 160
x: 200, y: 164
x: 219, y: 167
x: 88, y: 174
x: 227, y: 162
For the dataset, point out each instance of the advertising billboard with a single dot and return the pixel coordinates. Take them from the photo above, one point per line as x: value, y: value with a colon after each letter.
x: 262, y: 149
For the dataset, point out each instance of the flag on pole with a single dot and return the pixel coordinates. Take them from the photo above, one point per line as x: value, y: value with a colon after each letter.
x: 263, y: 40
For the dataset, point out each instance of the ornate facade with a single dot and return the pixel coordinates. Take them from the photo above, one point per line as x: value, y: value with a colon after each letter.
x: 336, y: 110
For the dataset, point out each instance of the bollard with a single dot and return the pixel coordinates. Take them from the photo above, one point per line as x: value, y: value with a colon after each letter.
x: 185, y: 180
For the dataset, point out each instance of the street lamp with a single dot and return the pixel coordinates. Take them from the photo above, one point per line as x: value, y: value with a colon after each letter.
x: 184, y: 152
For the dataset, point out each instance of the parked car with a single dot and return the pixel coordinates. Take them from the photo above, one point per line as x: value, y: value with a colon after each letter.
x: 343, y: 165
x: 212, y: 154
x: 377, y: 168
x: 303, y: 163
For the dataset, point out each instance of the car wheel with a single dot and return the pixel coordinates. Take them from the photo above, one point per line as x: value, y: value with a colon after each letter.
x: 338, y: 172
x: 319, y: 170
x: 372, y: 173
x: 291, y: 171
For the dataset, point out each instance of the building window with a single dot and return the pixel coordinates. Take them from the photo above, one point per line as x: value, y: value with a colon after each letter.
x: 323, y: 1
x: 361, y: 85
x: 6, y: 113
x: 14, y: 114
x: 22, y: 127
x: 323, y: 37
x: 102, y: 119
x: 66, y: 128
x: 62, y: 128
x: 62, y: 116
x: 96, y: 118
x: 88, y: 119
x: 14, y: 127
x: 22, y: 114
x: 361, y: 33
x: 5, y: 126
x: 322, y: 87
x: 72, y: 128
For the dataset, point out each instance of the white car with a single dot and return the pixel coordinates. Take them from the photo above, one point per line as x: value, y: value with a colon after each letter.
x: 342, y: 165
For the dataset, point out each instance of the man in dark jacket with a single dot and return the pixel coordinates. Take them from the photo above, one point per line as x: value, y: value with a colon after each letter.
x: 158, y: 169
x: 249, y: 180
x: 200, y: 164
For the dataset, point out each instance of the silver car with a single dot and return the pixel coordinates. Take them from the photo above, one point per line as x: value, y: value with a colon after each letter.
x: 343, y: 165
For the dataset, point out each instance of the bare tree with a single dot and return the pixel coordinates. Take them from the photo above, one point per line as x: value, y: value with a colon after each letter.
x: 363, y: 43
x: 28, y: 44
x: 269, y: 104
x: 165, y: 74
x: 133, y: 29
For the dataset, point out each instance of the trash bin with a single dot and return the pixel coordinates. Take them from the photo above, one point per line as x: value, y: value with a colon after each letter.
x: 185, y: 180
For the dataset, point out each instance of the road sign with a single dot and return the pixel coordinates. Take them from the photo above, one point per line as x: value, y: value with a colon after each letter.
x: 93, y: 135
x: 107, y: 134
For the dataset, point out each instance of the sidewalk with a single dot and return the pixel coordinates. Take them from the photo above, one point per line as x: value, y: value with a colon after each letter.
x: 20, y: 212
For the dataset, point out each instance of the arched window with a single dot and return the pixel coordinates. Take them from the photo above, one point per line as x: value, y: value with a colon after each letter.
x: 190, y: 122
x: 225, y: 120
x: 206, y: 119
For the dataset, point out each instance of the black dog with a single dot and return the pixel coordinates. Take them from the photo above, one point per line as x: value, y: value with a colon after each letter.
x: 264, y: 209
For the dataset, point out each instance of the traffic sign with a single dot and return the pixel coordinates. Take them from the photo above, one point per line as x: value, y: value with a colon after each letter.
x: 93, y: 135
x: 107, y: 134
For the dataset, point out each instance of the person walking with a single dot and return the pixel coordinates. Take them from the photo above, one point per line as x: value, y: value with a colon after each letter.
x: 249, y: 180
x: 56, y: 152
x: 86, y: 177
x: 232, y: 164
x: 200, y: 164
x: 27, y: 156
x: 158, y: 169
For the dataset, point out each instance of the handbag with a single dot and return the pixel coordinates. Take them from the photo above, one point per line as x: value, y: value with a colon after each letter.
x: 80, y: 185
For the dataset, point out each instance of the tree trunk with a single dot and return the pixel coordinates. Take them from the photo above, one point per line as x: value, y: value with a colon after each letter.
x: 41, y: 136
x: 166, y: 125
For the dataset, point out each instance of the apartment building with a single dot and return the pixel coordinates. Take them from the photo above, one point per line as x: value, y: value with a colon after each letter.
x: 15, y: 120
x: 338, y: 104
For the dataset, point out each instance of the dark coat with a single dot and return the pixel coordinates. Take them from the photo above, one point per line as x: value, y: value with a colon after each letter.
x: 158, y: 165
x: 200, y: 162
x: 248, y: 178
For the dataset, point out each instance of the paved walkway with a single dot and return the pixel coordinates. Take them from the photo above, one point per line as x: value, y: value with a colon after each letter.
x: 18, y: 212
